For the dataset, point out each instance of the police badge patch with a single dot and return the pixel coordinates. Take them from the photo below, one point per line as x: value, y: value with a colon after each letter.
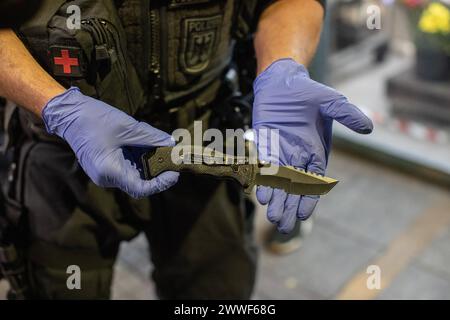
x: 201, y: 36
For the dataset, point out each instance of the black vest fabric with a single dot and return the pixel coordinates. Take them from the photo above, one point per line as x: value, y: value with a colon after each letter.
x: 184, y: 45
x: 130, y: 53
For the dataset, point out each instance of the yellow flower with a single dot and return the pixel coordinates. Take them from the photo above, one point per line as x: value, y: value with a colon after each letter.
x: 435, y: 19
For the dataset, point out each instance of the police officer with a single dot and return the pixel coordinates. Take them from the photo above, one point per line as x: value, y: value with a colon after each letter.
x: 93, y: 98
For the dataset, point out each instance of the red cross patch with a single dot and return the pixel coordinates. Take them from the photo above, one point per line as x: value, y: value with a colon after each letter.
x: 66, y: 61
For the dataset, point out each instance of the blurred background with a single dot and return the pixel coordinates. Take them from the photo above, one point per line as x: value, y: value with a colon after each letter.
x: 391, y: 210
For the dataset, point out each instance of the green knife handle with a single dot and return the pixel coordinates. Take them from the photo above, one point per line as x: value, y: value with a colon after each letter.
x: 160, y: 160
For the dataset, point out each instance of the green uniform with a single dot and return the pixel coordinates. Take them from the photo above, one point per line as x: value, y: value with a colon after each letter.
x: 162, y: 62
x: 199, y: 241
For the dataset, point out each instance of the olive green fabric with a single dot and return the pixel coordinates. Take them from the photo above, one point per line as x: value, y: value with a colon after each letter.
x: 200, y: 239
x: 184, y: 46
x: 198, y: 231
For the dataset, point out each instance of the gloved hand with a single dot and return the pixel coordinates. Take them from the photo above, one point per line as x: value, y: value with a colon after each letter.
x: 303, y: 111
x: 107, y: 142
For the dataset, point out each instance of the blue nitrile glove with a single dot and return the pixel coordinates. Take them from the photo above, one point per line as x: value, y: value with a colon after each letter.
x: 303, y: 111
x: 107, y: 142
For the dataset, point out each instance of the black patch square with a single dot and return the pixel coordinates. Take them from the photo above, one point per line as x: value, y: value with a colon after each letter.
x: 66, y: 61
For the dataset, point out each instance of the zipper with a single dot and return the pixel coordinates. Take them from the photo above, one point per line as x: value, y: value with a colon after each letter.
x: 155, y: 66
x: 89, y: 27
x: 155, y: 53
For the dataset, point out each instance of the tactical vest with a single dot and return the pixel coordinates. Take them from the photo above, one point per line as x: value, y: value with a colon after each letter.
x: 134, y: 53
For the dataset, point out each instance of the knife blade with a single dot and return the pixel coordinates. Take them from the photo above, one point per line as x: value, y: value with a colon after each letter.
x: 287, y: 178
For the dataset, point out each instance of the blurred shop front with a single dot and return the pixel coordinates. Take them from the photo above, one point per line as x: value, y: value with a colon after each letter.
x: 392, y: 58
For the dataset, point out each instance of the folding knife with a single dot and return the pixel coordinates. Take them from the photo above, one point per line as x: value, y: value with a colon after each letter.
x: 287, y: 178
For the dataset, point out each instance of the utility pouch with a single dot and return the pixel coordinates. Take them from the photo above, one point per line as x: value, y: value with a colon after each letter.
x: 91, y: 55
